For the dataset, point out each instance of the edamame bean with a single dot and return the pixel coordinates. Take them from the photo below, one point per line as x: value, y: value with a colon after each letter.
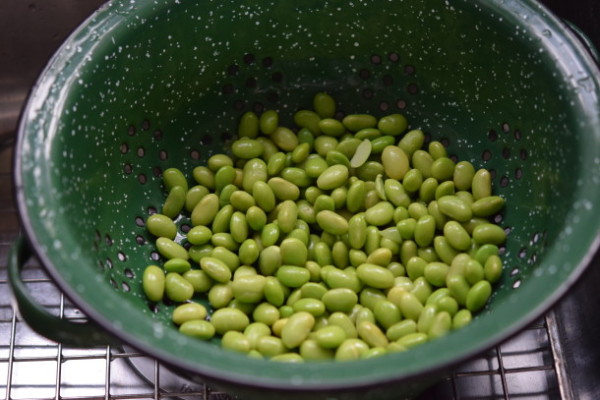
x: 423, y: 161
x: 331, y: 222
x: 153, y: 283
x: 311, y: 350
x: 205, y: 210
x: 313, y: 306
x: 177, y: 288
x: 287, y: 216
x: 455, y: 208
x: 161, y: 226
x: 200, y: 329
x: 229, y: 319
x: 292, y: 276
x: 395, y: 162
x: 238, y: 227
x: 478, y: 295
x: 331, y: 127
x: 170, y: 249
x: 216, y: 269
x: 393, y: 124
x: 457, y: 236
x: 459, y: 287
x: 177, y: 265
x: 356, y: 122
x: 297, y: 328
x: 188, y: 312
x: 339, y: 299
x: 293, y: 252
x: 372, y: 334
x: 386, y: 313
x: 309, y: 120
x: 249, y: 289
x: 199, y: 280
x: 481, y: 186
x: 283, y: 190
x: 174, y: 177
x: 436, y: 273
x: 199, y: 235
x: 381, y: 142
x: 487, y: 206
x: 424, y: 230
x: 412, y: 141
x: 194, y: 195
x: 401, y: 329
x: 333, y: 177
x: 440, y: 326
x: 493, y: 268
x: 284, y: 138
x: 463, y: 175
x: 375, y: 276
x: 174, y: 202
x: 248, y: 125
x: 489, y: 234
x: 461, y: 318
x: 204, y: 176
x: 324, y: 105
x: 256, y: 218
x: 268, y: 122
x: 428, y: 189
x: 351, y: 349
x: 442, y: 169
x: 247, y: 148
x: 380, y: 214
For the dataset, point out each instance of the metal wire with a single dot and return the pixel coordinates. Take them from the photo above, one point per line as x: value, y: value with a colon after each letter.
x: 526, y: 367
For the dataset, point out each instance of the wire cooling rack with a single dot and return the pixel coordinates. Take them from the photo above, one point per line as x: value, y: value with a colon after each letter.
x: 526, y: 367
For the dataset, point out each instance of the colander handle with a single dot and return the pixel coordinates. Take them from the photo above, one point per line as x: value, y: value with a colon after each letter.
x: 69, y: 333
x: 587, y: 42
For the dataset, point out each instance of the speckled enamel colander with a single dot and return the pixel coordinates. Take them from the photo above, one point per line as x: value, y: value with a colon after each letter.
x: 146, y: 85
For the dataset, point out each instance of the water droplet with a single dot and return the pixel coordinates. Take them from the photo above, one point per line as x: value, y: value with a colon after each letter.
x: 546, y: 32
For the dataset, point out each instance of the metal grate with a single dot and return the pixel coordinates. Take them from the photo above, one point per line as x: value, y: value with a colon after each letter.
x: 31, y: 367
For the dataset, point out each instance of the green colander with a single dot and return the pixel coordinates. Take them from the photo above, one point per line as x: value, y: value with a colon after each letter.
x: 143, y: 86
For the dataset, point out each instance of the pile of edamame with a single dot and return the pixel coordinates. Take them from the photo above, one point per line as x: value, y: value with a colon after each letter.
x: 338, y: 239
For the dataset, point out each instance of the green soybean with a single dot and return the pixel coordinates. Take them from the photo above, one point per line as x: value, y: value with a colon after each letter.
x: 463, y: 175
x: 153, y: 283
x: 331, y: 222
x: 170, y: 249
x: 324, y: 105
x: 339, y: 299
x: 216, y: 269
x: 395, y: 162
x: 297, y: 328
x: 172, y: 177
x: 177, y: 288
x: 308, y: 120
x: 457, y: 236
x: 478, y: 295
x: 199, y: 329
x: 488, y: 233
x: 356, y: 122
x: 174, y: 202
x: 393, y: 124
x: 412, y: 141
x: 248, y: 125
x: 375, y: 276
x: 229, y: 319
x: 161, y: 226
x: 481, y: 184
